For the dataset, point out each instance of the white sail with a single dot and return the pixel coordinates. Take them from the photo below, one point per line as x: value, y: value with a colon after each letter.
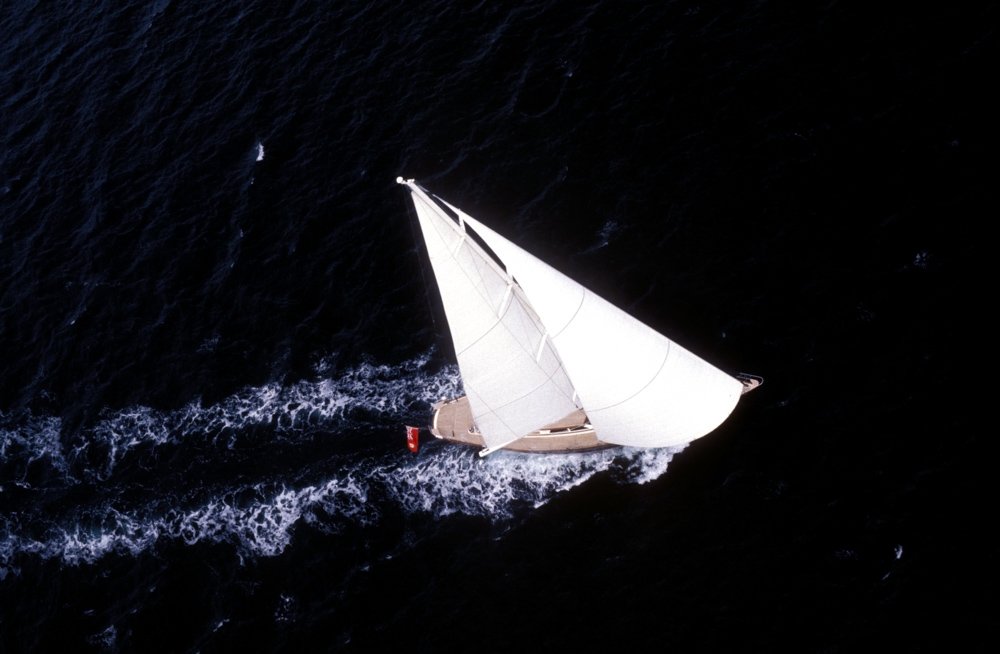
x: 637, y: 386
x: 513, y: 379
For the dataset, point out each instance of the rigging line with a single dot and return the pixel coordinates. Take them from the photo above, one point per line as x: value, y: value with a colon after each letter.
x: 423, y: 261
x: 453, y: 255
x: 465, y: 240
x: 464, y: 229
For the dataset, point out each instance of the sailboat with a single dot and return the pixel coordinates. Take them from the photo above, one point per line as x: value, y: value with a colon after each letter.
x: 549, y: 366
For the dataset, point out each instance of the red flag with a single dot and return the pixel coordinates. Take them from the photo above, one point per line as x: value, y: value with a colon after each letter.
x: 413, y: 438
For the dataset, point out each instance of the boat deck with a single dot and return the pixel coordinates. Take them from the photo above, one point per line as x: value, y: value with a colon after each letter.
x: 453, y: 422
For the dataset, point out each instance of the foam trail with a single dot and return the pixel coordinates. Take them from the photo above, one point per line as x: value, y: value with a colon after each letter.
x: 26, y: 439
x: 307, y: 407
x: 258, y: 519
x: 456, y: 482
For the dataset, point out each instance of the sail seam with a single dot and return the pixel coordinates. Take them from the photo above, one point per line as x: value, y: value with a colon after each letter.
x: 500, y: 420
x: 644, y: 386
x: 518, y: 399
x: 468, y: 347
x: 573, y: 317
x: 548, y: 375
x: 494, y: 411
x: 461, y: 231
x: 477, y: 285
x: 499, y: 320
x: 559, y: 364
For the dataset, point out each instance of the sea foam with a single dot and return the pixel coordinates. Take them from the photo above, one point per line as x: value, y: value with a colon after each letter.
x: 258, y: 517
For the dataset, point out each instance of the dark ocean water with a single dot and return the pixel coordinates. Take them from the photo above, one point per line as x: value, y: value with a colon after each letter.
x: 216, y: 317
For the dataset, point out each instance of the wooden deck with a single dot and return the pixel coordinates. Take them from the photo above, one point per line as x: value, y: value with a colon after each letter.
x: 453, y: 422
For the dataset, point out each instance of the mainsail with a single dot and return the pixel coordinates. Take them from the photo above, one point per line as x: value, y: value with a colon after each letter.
x: 513, y: 379
x: 638, y: 387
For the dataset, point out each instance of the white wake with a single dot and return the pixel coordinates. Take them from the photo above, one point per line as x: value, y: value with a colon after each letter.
x: 258, y: 517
